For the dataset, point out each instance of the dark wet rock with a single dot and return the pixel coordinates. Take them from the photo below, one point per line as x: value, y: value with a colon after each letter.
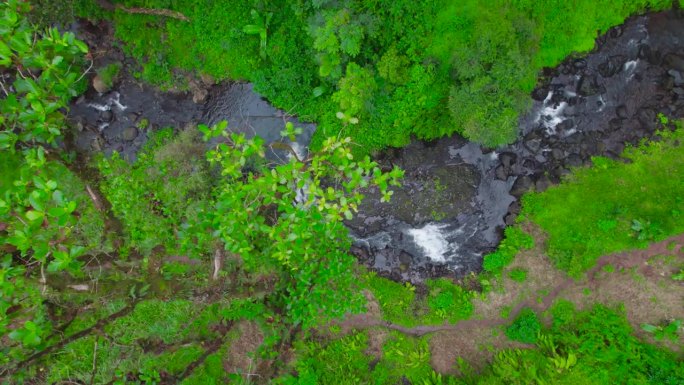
x: 668, y: 83
x: 530, y: 164
x: 580, y: 63
x: 615, y: 124
x: 508, y: 159
x: 107, y: 116
x: 588, y: 85
x: 674, y: 61
x: 522, y: 185
x: 501, y: 173
x: 573, y: 160
x: 550, y: 140
x: 533, y: 142
x: 646, y: 116
x: 509, y: 219
x: 539, y: 94
x: 557, y: 154
x: 559, y: 172
x: 616, y: 32
x: 677, y: 77
x: 566, y: 125
x: 612, y: 66
x: 575, y: 138
x: 129, y: 134
x: 96, y: 144
x: 542, y: 183
x: 621, y: 112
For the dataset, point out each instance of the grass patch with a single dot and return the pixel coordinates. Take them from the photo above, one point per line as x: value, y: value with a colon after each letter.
x: 613, y: 206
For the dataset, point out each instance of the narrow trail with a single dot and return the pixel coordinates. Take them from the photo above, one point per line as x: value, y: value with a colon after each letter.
x: 625, y: 259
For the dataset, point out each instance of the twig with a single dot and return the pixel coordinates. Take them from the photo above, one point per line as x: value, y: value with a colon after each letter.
x: 218, y: 263
x: 85, y: 72
x: 92, y: 376
x: 95, y: 199
x: 146, y: 11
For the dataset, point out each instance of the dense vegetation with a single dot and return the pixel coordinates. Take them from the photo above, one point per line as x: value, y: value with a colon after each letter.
x: 365, y: 67
x: 205, y: 262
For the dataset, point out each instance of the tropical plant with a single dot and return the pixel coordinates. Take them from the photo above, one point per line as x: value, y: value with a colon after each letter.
x: 287, y: 220
x: 36, y: 218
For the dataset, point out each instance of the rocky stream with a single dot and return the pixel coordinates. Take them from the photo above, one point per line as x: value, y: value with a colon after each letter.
x: 456, y: 197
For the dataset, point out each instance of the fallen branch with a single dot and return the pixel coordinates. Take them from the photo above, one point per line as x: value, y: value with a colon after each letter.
x: 145, y: 11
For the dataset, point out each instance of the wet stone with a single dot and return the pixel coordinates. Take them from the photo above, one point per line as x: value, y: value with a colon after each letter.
x: 677, y: 77
x: 540, y: 94
x: 573, y: 160
x: 521, y: 185
x: 508, y: 159
x: 501, y: 173
x: 588, y: 86
x: 542, y: 183
x: 96, y: 144
x: 566, y: 125
x: 646, y: 116
x: 621, y: 112
x: 612, y: 66
x: 129, y: 134
x: 580, y: 63
x: 674, y: 61
x: 557, y: 154
x: 533, y: 142
x: 107, y: 116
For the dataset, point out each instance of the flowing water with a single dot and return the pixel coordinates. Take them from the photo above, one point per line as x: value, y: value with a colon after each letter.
x: 456, y: 197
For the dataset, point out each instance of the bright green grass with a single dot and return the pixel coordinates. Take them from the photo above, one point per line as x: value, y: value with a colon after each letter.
x: 613, y: 206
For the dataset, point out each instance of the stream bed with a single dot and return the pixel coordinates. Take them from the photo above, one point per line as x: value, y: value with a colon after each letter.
x: 456, y: 197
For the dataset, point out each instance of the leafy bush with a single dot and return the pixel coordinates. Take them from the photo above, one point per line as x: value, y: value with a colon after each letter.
x: 37, y: 218
x: 169, y: 180
x: 447, y: 301
x: 596, y: 346
x: 396, y: 300
x: 525, y: 328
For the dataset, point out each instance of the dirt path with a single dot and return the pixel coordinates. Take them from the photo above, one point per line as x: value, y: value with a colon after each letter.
x: 623, y: 260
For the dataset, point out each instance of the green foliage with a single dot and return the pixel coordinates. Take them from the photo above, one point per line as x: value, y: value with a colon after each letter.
x: 518, y: 274
x: 587, y: 217
x: 341, y: 361
x: 260, y: 27
x: 447, y: 302
x: 525, y: 328
x: 480, y: 59
x: 258, y: 216
x: 37, y: 218
x: 515, y: 239
x: 396, y: 300
x: 669, y: 330
x: 355, y: 91
x: 404, y: 356
x: 169, y: 180
x: 44, y: 69
x: 109, y: 73
x: 596, y: 346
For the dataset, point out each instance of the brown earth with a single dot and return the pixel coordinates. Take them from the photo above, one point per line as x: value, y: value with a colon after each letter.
x: 640, y: 279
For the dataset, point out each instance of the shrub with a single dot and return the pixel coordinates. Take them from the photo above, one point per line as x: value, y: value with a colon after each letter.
x: 525, y: 328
